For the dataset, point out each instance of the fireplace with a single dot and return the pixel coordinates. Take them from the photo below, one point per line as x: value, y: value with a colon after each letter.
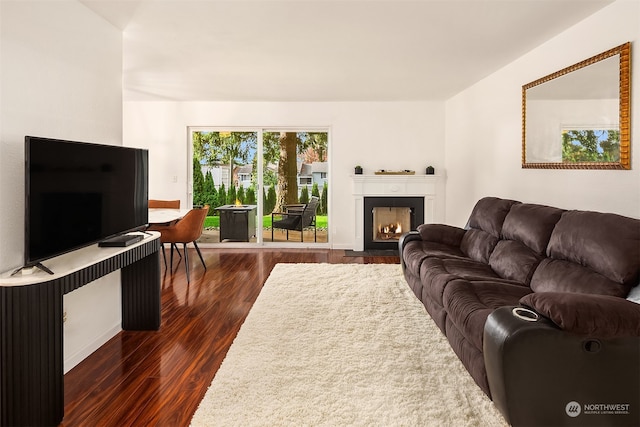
x: 429, y: 189
x: 387, y: 218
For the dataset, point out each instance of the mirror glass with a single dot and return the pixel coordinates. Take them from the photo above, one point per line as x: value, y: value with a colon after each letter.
x: 578, y: 117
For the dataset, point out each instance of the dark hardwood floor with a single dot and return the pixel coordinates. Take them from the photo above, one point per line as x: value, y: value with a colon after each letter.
x: 158, y: 378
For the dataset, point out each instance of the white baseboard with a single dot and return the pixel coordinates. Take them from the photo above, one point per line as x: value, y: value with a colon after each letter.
x: 344, y: 246
x: 71, y: 361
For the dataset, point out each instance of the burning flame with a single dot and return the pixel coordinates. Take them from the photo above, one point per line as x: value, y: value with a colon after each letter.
x: 391, y: 228
x: 238, y: 202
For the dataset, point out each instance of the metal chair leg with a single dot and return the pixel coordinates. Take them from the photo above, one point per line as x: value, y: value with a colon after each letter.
x: 164, y: 256
x: 171, y: 259
x: 200, y: 254
x: 173, y: 245
x: 186, y: 261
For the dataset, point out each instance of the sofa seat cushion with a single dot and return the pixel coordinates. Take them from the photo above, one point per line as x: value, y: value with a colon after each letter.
x: 469, y: 303
x: 417, y: 251
x: 436, y: 273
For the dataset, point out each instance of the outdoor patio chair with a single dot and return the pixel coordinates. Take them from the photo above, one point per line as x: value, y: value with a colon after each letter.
x: 297, y: 218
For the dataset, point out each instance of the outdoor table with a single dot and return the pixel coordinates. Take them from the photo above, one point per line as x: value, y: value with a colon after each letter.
x: 237, y: 222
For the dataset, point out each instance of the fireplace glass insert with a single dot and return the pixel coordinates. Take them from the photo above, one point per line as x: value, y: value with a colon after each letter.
x: 386, y: 219
x: 390, y: 222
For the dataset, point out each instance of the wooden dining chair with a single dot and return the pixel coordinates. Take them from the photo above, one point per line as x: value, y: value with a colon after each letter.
x: 188, y: 229
x: 164, y: 204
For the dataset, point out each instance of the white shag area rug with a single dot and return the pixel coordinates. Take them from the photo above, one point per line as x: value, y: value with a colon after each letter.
x: 342, y: 345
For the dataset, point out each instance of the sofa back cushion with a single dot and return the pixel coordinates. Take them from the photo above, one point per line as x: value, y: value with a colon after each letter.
x: 484, y: 227
x: 513, y: 260
x: 591, y: 252
x: 525, y: 235
x: 478, y: 245
x: 531, y: 225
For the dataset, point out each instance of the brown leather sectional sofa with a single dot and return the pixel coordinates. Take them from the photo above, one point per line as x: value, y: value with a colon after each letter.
x: 532, y: 299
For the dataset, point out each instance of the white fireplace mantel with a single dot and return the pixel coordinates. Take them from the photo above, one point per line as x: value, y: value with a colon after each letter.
x: 431, y: 187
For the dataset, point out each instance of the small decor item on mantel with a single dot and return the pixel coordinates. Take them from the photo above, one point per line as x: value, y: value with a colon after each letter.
x: 358, y: 170
x: 430, y: 170
x: 388, y: 172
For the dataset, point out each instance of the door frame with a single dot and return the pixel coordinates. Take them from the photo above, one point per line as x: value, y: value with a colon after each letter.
x: 260, y: 242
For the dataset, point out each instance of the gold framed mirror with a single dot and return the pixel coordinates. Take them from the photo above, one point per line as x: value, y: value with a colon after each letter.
x: 578, y: 117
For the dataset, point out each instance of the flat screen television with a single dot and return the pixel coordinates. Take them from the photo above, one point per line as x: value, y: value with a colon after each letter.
x: 78, y: 193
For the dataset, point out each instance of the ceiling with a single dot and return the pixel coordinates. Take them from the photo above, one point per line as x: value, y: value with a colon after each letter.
x: 322, y: 50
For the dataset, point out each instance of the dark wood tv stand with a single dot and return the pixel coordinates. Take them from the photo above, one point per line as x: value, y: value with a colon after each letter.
x: 31, y: 350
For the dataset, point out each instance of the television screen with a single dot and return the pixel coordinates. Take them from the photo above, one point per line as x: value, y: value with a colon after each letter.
x: 77, y: 194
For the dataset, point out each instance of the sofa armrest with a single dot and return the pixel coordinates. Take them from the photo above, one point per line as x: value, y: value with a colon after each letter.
x: 541, y: 375
x: 404, y: 239
x: 587, y: 314
x: 441, y: 233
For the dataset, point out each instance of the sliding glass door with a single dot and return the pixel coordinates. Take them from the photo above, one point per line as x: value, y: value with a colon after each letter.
x: 296, y: 185
x: 265, y: 186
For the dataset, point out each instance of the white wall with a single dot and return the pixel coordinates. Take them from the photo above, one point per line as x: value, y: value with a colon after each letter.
x: 61, y: 77
x: 483, y: 128
x: 376, y: 135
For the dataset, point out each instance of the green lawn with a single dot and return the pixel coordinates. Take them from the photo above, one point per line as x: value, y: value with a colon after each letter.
x: 214, y: 221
